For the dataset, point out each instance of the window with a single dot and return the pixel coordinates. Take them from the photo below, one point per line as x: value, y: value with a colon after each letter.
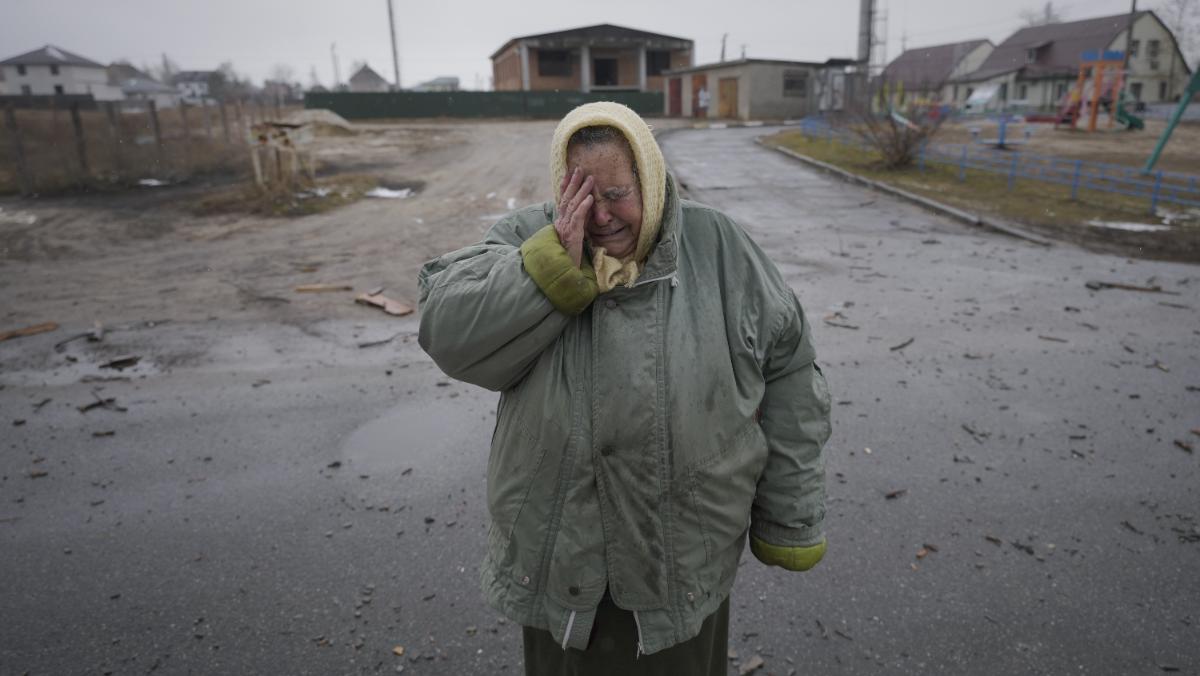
x: 25, y: 90
x: 1135, y: 90
x: 795, y: 83
x: 1060, y: 90
x: 20, y: 69
x: 58, y: 89
x: 1004, y: 92
x: 657, y: 61
x: 554, y: 63
x: 1162, y: 90
x: 970, y: 90
x: 1031, y: 55
x: 1133, y: 47
x: 54, y: 69
x: 1153, y: 49
x: 604, y: 72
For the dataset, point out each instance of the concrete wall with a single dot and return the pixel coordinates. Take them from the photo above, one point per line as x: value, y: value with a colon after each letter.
x: 759, y: 91
x: 72, y: 79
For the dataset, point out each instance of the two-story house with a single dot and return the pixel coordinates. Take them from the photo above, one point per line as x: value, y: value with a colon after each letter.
x: 1036, y: 66
x: 50, y: 71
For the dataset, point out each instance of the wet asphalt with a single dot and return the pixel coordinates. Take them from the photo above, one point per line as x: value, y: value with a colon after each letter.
x: 271, y: 498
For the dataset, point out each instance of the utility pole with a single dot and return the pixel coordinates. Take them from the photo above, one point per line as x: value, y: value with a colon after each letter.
x: 337, y: 76
x: 743, y: 52
x: 1129, y: 35
x: 723, y: 36
x: 395, y: 53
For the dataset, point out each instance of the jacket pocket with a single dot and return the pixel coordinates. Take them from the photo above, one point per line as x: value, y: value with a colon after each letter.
x: 721, y: 490
x: 513, y: 465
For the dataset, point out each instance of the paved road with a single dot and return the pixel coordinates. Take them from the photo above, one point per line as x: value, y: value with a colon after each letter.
x: 253, y: 510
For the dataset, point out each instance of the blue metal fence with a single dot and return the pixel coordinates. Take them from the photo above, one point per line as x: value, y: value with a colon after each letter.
x: 1160, y: 187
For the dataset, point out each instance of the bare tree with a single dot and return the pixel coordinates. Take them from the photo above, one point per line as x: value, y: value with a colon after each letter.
x: 165, y: 72
x: 1046, y: 15
x: 1183, y: 18
x: 890, y: 127
x: 282, y: 72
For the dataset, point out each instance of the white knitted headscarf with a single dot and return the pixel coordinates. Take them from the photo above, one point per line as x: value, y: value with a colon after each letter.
x: 652, y: 169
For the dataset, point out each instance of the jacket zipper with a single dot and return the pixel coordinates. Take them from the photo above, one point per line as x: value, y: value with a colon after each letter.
x: 673, y: 277
x: 638, y: 622
x: 567, y: 633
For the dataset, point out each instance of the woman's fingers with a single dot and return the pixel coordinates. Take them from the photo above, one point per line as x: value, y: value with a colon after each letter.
x: 573, y: 180
x: 585, y: 190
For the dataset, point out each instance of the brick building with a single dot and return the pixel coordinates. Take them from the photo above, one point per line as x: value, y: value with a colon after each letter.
x: 593, y: 58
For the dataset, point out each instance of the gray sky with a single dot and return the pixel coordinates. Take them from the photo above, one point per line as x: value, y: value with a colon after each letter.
x: 456, y: 37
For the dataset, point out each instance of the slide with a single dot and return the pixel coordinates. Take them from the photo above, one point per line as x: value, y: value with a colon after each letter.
x: 1132, y: 122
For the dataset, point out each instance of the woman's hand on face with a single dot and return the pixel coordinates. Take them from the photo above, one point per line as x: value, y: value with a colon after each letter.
x: 573, y: 208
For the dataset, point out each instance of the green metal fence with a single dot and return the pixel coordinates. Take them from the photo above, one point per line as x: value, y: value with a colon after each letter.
x: 551, y: 104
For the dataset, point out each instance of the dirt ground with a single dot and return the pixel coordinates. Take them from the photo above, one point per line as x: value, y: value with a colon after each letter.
x: 1113, y: 146
x: 144, y: 254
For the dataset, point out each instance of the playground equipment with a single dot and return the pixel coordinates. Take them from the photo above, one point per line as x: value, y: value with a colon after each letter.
x: 1093, y: 91
x: 1193, y: 88
x: 1002, y: 140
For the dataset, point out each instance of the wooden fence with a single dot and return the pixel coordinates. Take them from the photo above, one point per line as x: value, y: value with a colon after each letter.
x: 123, y: 143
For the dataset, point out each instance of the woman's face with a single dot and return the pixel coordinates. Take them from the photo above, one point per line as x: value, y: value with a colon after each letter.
x: 616, y: 217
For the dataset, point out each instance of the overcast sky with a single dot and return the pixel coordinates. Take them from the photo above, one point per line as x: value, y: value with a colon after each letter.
x: 456, y: 37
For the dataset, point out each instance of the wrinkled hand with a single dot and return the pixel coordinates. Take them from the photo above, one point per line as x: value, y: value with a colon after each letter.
x: 573, y: 208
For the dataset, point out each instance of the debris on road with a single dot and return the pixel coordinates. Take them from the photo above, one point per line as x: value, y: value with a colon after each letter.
x: 1054, y: 339
x: 753, y: 664
x: 95, y: 335
x: 901, y: 346
x: 1097, y: 286
x: 28, y: 330
x: 377, y: 343
x: 899, y: 492
x: 121, y: 363
x: 390, y: 306
x: 104, y: 433
x: 38, y: 473
x: 110, y: 403
x: 398, y: 651
x: 322, y: 288
x: 1187, y: 446
x: 388, y: 193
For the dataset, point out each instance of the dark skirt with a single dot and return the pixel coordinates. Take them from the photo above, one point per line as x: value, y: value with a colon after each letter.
x: 612, y: 648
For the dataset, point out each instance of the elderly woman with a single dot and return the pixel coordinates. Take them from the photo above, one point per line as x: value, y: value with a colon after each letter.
x: 659, y: 399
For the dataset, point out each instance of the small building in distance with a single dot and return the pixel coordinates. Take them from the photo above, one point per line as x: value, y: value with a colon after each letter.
x: 51, y: 71
x: 365, y: 79
x: 744, y: 89
x: 194, y: 86
x: 603, y: 57
x: 138, y: 87
x: 447, y: 83
x: 1036, y: 66
x: 925, y: 73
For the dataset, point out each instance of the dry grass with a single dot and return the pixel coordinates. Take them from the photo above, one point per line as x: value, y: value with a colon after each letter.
x: 1045, y: 207
x: 1112, y: 146
x: 248, y: 198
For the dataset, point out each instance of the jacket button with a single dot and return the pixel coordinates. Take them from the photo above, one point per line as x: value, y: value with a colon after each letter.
x: 573, y: 591
x: 691, y: 596
x: 606, y: 451
x: 610, y: 304
x: 525, y: 580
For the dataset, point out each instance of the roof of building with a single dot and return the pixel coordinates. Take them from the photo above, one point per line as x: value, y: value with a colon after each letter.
x: 367, y: 75
x: 929, y: 65
x: 1061, y: 46
x: 120, y: 71
x: 598, y: 32
x: 743, y: 62
x: 50, y: 56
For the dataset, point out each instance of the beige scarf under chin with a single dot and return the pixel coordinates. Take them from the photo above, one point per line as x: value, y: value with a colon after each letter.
x: 613, y: 272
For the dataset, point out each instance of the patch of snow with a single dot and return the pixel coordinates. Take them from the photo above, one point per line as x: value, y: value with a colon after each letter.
x: 55, y: 54
x: 419, y: 220
x: 512, y: 203
x: 152, y: 182
x: 1129, y: 227
x: 491, y: 195
x: 17, y: 217
x: 388, y: 193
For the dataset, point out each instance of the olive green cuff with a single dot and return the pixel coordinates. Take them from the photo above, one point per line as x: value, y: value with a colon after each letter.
x: 790, y: 558
x: 570, y: 289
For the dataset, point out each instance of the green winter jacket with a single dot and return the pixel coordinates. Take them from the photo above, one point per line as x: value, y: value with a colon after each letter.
x: 637, y: 437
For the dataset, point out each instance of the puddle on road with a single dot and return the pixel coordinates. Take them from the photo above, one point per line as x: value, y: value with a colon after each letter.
x: 436, y: 438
